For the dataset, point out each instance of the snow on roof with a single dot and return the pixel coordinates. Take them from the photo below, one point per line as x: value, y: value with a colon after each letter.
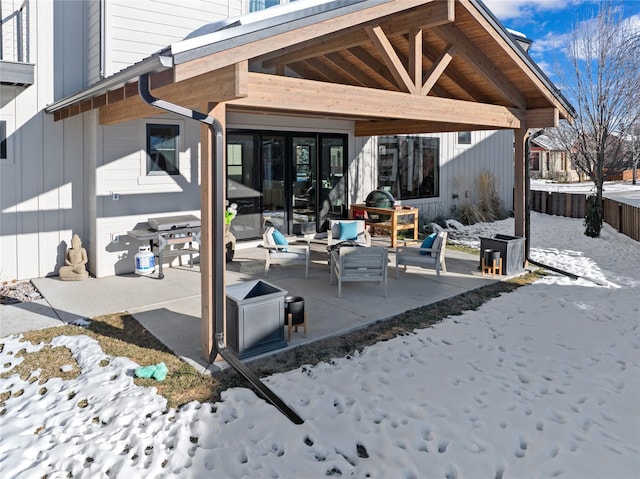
x: 548, y: 143
x: 249, y: 25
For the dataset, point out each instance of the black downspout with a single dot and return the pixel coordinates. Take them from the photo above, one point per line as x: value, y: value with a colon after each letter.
x: 217, y: 237
x: 527, y: 215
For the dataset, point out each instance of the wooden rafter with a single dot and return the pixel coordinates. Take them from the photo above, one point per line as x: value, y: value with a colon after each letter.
x: 358, y: 76
x: 300, y: 35
x: 541, y: 87
x: 430, y: 14
x: 437, y: 69
x: 415, y: 56
x: 380, y: 72
x: 391, y: 59
x: 479, y: 61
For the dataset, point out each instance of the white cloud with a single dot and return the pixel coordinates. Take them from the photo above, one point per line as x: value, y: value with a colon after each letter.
x: 551, y: 41
x: 514, y: 9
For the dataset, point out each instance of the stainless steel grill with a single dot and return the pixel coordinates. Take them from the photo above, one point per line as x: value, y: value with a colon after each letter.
x: 165, y: 233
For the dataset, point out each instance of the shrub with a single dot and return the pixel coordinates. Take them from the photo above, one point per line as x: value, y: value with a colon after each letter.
x: 593, y: 217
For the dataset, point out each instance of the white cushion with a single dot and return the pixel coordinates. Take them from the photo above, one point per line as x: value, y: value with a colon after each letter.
x: 268, y: 237
x: 437, y: 243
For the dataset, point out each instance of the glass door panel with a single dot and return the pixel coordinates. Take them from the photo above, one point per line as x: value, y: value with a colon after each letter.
x: 332, y: 181
x: 274, y: 207
x: 243, y: 184
x: 303, y: 185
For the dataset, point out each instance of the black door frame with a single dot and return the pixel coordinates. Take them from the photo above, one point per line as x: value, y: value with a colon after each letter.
x: 288, y: 169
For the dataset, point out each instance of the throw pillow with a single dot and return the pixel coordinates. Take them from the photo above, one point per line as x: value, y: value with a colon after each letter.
x: 348, y: 230
x: 280, y: 239
x: 428, y: 242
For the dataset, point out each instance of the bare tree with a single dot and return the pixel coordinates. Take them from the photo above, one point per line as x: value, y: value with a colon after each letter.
x: 604, y: 86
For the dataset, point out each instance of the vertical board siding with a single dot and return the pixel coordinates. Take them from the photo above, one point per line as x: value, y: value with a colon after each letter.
x: 137, y: 29
x: 93, y: 41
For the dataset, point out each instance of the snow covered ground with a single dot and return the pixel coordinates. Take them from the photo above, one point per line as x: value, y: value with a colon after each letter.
x: 622, y: 191
x: 542, y: 382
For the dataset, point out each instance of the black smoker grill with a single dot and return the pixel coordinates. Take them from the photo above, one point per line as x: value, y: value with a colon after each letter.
x: 164, y: 232
x: 379, y: 199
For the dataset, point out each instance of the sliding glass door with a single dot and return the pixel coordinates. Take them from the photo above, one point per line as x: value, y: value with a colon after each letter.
x: 294, y: 182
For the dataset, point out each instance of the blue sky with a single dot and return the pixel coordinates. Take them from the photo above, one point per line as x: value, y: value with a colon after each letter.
x: 549, y: 22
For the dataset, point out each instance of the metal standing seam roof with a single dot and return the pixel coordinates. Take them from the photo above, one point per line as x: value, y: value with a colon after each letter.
x: 225, y: 34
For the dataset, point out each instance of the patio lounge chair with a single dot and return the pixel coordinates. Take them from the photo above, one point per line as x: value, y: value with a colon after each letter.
x: 348, y: 230
x: 279, y: 251
x: 416, y: 255
x: 353, y: 263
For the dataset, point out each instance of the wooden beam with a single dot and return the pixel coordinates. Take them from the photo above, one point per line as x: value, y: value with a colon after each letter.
x: 438, y: 68
x: 411, y: 127
x: 312, y: 97
x: 415, y: 57
x: 519, y: 204
x: 217, y: 86
x: 542, y: 117
x: 391, y: 59
x: 207, y: 279
x: 479, y: 61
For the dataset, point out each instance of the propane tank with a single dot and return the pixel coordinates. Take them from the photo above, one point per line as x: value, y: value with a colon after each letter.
x: 145, y: 260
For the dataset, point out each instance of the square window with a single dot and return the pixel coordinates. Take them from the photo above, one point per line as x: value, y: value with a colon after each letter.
x: 464, y: 138
x: 162, y: 149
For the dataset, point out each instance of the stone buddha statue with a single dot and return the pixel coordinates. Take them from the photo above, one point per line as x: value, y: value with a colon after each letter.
x: 74, y: 262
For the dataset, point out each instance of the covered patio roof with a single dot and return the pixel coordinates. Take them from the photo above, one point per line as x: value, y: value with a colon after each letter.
x: 391, y: 66
x: 403, y: 66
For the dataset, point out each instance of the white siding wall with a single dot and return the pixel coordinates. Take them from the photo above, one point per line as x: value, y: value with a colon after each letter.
x: 93, y: 40
x: 135, y: 30
x: 41, y: 181
x: 58, y: 176
x: 121, y: 169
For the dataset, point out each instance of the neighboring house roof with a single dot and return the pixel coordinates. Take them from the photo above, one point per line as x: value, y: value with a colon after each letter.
x: 548, y: 143
x: 432, y: 53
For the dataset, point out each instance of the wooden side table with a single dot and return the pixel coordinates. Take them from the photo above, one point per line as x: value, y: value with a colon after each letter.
x: 392, y: 225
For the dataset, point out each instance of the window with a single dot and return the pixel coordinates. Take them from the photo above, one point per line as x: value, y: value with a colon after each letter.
x: 234, y: 161
x: 3, y: 140
x: 257, y: 5
x: 464, y: 138
x: 534, y: 161
x: 162, y: 149
x: 409, y: 165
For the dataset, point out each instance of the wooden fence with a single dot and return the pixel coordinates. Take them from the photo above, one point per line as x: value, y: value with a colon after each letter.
x: 623, y: 217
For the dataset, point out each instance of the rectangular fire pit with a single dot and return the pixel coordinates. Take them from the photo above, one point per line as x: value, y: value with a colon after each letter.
x: 255, y: 318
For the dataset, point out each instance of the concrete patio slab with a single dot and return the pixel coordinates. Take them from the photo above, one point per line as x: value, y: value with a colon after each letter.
x: 170, y: 308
